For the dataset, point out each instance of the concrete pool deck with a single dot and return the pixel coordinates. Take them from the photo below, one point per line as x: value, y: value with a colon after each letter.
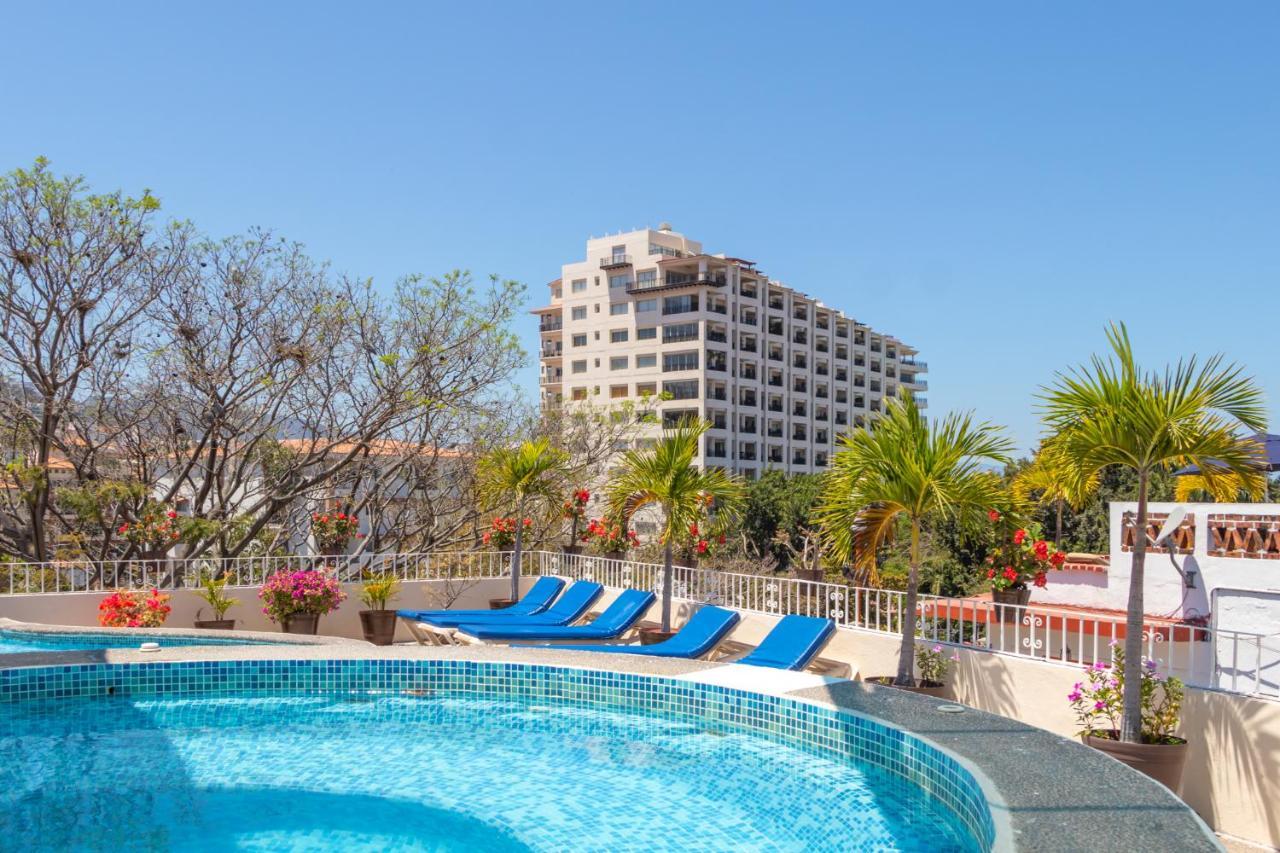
x: 1046, y: 793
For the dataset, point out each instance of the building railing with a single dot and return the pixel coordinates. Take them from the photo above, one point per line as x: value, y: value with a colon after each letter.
x: 1202, y: 656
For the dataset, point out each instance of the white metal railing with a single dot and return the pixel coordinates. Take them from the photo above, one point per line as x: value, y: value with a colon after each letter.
x: 1233, y: 661
x: 168, y: 573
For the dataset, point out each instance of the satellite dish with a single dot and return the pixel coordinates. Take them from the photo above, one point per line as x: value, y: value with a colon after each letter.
x: 1172, y: 523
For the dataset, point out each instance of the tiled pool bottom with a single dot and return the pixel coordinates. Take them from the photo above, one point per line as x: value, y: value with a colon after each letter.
x: 483, y: 755
x: 396, y: 772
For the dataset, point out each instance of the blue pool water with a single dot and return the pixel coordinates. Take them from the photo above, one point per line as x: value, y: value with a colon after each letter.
x: 393, y: 772
x: 12, y: 642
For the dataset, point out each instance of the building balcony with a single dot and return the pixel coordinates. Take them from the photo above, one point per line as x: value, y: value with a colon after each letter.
x: 673, y: 282
x: 614, y: 262
x: 551, y: 325
x: 910, y: 361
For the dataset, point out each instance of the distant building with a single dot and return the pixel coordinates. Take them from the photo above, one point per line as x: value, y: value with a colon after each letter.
x: 778, y: 374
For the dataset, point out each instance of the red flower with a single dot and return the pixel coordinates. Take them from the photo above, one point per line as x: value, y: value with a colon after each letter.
x: 1042, y: 550
x: 693, y: 529
x: 1019, y: 536
x: 1057, y: 558
x: 721, y: 539
x: 172, y: 514
x: 991, y: 573
x: 1041, y: 580
x: 993, y: 515
x: 1010, y: 574
x: 485, y: 538
x: 702, y: 547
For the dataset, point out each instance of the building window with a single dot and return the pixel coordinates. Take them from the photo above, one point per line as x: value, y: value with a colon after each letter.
x: 647, y: 278
x: 579, y: 285
x: 677, y: 361
x: 685, y: 389
x: 580, y: 340
x: 579, y: 366
x: 679, y: 332
x: 650, y: 360
x: 619, y: 308
x: 618, y: 336
x: 617, y: 281
x: 579, y: 393
x: 648, y: 333
x: 618, y: 362
x: 646, y: 389
x: 578, y: 313
x: 616, y: 391
x: 680, y: 304
x: 656, y: 249
x: 646, y: 305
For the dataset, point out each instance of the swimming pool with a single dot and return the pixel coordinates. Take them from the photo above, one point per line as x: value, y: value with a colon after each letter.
x: 13, y: 642
x: 474, y: 756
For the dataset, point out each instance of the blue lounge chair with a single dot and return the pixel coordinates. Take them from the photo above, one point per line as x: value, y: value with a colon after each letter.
x: 568, y: 608
x: 617, y: 618
x: 792, y: 644
x: 698, y: 638
x: 536, y: 600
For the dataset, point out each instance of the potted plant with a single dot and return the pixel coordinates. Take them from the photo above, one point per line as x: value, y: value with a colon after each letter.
x: 1020, y: 560
x: 575, y: 509
x: 333, y: 532
x: 213, y: 591
x: 610, y: 539
x: 932, y: 663
x: 1099, y: 705
x: 297, y: 600
x: 125, y: 609
x: 702, y: 544
x: 501, y: 534
x: 379, y: 623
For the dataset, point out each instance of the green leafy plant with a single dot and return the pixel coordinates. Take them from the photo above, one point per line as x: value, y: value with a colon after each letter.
x: 378, y: 589
x: 665, y: 476
x: 213, y: 590
x: 908, y: 467
x: 1111, y: 412
x: 1099, y: 700
x: 933, y: 662
x: 528, y: 473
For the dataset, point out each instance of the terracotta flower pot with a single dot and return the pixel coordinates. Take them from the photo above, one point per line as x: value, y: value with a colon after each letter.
x: 216, y: 624
x: 570, y: 549
x: 926, y: 688
x: 1005, y: 597
x: 300, y: 623
x: 379, y: 626
x: 809, y: 574
x: 614, y: 555
x: 1161, y: 761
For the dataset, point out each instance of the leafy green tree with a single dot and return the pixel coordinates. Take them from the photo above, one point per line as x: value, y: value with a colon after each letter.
x: 908, y: 467
x: 665, y: 476
x: 1048, y: 482
x: 526, y: 475
x: 776, y: 503
x: 1111, y: 412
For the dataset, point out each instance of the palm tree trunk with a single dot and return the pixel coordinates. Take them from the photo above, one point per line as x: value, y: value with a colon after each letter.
x: 1057, y: 535
x: 1131, y: 725
x: 906, y: 651
x: 515, y: 555
x: 668, y: 581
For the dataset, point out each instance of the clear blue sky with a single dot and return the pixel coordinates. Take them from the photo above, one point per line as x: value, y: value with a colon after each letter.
x: 990, y: 182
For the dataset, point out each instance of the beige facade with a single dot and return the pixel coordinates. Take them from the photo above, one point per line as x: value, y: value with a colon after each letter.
x: 648, y: 316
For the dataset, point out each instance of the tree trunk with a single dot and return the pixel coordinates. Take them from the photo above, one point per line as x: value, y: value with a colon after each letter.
x: 515, y: 555
x: 1057, y: 535
x: 907, y: 650
x: 668, y: 581
x: 1131, y: 725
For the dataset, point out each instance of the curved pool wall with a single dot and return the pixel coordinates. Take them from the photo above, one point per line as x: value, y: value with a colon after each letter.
x: 946, y: 779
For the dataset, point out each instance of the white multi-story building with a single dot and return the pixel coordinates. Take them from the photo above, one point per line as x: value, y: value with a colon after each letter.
x: 778, y: 374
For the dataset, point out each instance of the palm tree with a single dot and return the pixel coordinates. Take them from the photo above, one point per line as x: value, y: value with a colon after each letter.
x: 528, y: 473
x: 1111, y: 412
x: 910, y: 468
x: 665, y: 476
x: 1048, y: 481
